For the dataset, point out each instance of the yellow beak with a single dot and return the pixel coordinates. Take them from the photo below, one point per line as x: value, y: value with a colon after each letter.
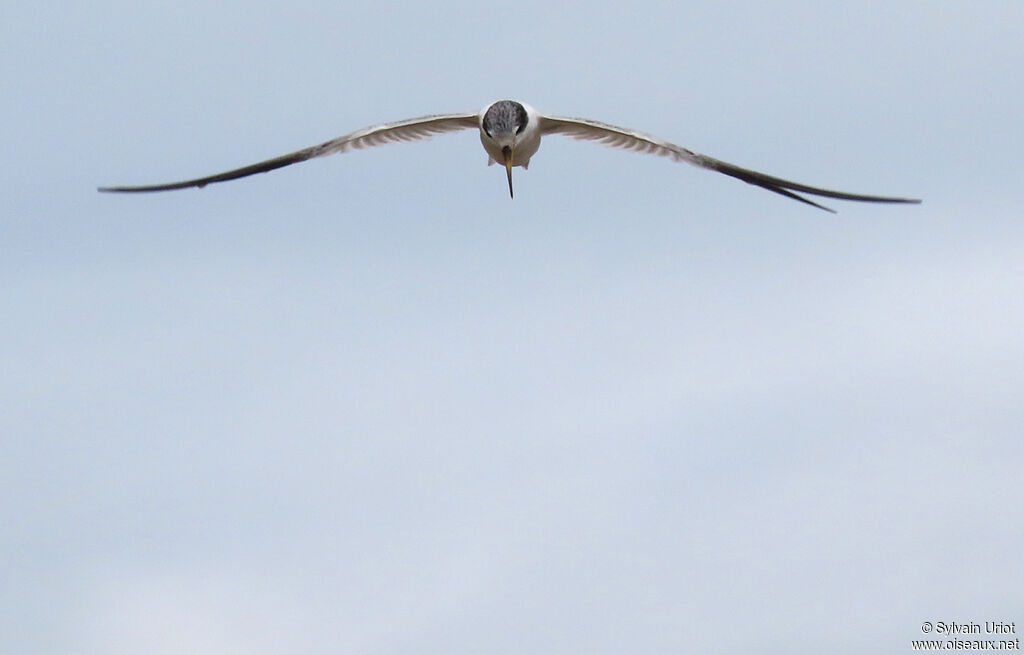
x: 507, y: 154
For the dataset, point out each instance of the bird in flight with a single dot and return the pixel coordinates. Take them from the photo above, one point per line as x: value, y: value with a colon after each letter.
x: 511, y: 132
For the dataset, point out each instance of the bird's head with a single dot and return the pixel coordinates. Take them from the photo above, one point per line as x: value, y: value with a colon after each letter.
x: 501, y: 125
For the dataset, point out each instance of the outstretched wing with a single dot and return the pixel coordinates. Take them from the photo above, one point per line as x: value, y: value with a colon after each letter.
x: 413, y: 129
x: 619, y: 137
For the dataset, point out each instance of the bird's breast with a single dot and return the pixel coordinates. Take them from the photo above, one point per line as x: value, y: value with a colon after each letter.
x: 524, y: 146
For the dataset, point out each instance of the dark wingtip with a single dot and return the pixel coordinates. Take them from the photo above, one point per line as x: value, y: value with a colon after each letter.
x: 121, y: 189
x: 149, y: 189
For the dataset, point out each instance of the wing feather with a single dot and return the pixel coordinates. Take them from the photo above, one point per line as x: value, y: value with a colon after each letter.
x: 587, y: 129
x: 413, y: 129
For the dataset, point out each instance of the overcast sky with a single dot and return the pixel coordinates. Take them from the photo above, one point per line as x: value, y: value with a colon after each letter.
x: 368, y: 404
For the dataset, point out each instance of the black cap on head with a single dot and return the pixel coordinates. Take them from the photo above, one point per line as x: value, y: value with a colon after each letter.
x: 505, y: 117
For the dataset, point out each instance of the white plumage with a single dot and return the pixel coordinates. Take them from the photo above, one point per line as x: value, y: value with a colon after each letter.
x: 511, y: 133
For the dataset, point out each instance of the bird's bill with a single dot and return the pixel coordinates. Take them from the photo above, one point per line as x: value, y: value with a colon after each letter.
x: 506, y: 153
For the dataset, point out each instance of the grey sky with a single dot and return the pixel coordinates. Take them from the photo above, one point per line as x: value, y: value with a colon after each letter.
x: 367, y: 404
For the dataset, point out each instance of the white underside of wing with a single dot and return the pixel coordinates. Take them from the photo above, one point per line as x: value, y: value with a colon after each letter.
x: 586, y: 129
x: 619, y: 137
x: 413, y: 129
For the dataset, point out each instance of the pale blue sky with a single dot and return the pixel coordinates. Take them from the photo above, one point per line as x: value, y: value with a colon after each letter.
x: 368, y: 404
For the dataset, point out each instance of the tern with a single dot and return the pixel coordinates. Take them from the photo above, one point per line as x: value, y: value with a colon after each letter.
x: 510, y: 132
